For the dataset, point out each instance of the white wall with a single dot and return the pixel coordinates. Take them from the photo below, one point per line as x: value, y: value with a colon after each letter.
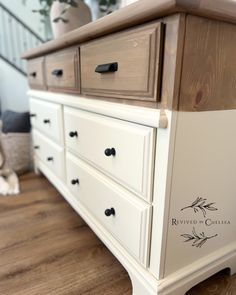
x: 13, y: 88
x: 13, y: 85
x: 24, y: 13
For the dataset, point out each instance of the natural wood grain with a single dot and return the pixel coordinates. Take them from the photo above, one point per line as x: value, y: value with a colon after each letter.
x: 35, y: 72
x: 67, y: 61
x: 208, y: 74
x: 46, y: 248
x: 219, y: 284
x: 138, y: 54
x: 172, y: 61
x: 168, y: 71
x: 224, y: 10
x: 138, y: 13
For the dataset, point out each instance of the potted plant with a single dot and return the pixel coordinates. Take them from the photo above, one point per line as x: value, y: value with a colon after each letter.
x: 107, y: 6
x: 68, y: 15
x: 65, y: 15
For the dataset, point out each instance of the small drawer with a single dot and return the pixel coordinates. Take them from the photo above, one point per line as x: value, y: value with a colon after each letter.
x: 50, y: 153
x: 122, y: 150
x: 99, y: 196
x: 47, y: 117
x: 124, y: 65
x: 62, y: 70
x: 35, y: 72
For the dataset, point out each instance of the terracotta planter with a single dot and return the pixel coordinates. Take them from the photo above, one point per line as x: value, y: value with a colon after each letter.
x: 76, y: 16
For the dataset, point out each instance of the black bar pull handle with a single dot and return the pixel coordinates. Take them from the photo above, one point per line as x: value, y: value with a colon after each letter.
x: 57, y: 72
x: 107, y: 68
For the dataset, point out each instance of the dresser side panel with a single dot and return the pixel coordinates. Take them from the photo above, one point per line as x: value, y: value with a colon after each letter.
x: 209, y: 66
x: 202, y: 205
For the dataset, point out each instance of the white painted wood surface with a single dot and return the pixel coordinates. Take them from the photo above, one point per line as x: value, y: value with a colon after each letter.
x: 204, y: 166
x: 48, y: 149
x: 97, y: 193
x: 141, y: 278
x: 195, y: 157
x: 141, y: 115
x: 133, y: 144
x: 48, y: 111
x: 165, y: 143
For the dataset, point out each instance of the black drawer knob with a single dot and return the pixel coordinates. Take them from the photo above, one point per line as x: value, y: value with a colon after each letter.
x: 33, y: 115
x: 73, y: 134
x: 46, y: 121
x: 109, y: 212
x: 57, y: 72
x: 75, y: 181
x: 50, y: 159
x: 110, y: 152
x: 33, y: 74
x: 36, y: 147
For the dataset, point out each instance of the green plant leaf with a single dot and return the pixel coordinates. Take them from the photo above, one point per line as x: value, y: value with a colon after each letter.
x: 113, y: 2
x: 103, y: 2
x: 73, y: 3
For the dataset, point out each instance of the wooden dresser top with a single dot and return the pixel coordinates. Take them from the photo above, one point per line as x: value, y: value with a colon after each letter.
x: 138, y: 13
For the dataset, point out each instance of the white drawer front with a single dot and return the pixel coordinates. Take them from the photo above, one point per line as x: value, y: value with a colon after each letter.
x: 47, y: 117
x: 129, y: 225
x: 132, y: 163
x: 50, y: 153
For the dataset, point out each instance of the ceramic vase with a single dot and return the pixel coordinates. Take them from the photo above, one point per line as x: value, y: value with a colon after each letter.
x: 75, y: 17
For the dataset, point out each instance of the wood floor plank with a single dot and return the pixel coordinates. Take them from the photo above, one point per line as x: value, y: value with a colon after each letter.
x: 46, y: 248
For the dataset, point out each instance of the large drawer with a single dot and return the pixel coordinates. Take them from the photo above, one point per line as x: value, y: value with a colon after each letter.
x: 124, y: 65
x: 96, y: 138
x: 129, y: 217
x: 50, y: 153
x: 47, y: 117
x: 35, y: 72
x: 62, y: 70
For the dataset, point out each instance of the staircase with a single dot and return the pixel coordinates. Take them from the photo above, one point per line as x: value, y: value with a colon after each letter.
x: 15, y: 38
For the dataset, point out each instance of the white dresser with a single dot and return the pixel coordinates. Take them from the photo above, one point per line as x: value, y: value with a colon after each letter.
x: 130, y: 125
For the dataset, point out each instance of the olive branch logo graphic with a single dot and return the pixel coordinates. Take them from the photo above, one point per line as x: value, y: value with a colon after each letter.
x: 198, y: 240
x: 200, y: 204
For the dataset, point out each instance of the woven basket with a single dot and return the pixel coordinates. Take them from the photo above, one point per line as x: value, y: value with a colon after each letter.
x: 17, y: 150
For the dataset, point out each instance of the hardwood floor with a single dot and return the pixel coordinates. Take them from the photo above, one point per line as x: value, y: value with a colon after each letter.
x: 219, y: 284
x: 46, y: 249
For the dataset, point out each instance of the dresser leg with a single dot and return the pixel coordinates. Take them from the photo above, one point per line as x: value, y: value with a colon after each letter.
x: 36, y: 169
x: 140, y: 286
x: 233, y: 268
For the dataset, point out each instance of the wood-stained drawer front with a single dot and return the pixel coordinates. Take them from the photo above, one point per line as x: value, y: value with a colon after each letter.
x: 128, y: 223
x: 122, y: 150
x: 62, y: 70
x: 127, y: 64
x: 50, y: 153
x: 47, y: 117
x: 35, y: 72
